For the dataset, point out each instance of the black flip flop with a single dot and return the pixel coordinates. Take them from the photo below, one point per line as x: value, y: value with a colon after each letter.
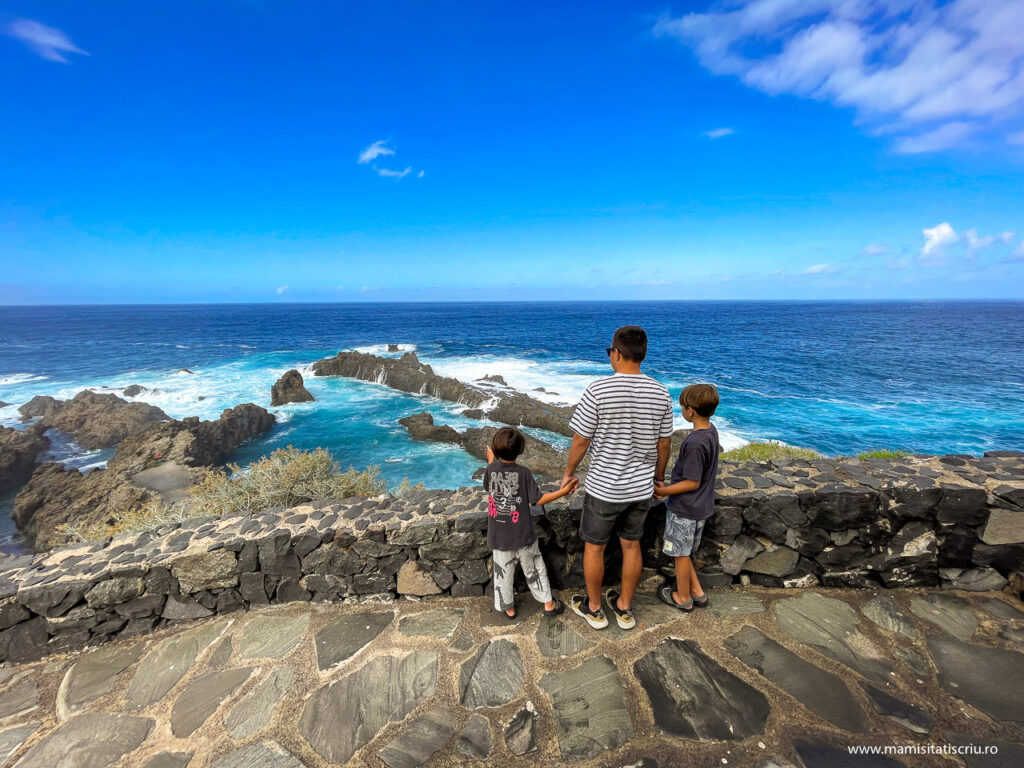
x: 665, y: 595
x: 559, y: 607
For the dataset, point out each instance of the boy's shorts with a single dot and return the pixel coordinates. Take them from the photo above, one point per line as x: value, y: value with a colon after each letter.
x: 682, y: 535
x: 601, y: 518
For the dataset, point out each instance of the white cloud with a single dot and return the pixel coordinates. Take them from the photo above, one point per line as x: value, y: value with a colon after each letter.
x: 420, y: 174
x: 46, y: 41
x: 872, y: 249
x: 930, y: 72
x: 396, y: 175
x: 718, y: 133
x: 976, y: 242
x: 934, y: 240
x: 375, y: 150
x: 341, y: 287
x: 819, y: 269
x: 282, y: 289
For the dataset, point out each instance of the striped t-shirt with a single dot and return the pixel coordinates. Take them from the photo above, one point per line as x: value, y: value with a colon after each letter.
x: 623, y: 416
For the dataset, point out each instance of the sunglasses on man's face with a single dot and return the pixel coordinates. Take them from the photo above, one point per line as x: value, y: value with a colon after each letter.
x: 609, y: 350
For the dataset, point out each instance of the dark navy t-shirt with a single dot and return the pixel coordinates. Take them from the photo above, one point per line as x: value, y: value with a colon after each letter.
x: 698, y: 460
x: 511, y: 491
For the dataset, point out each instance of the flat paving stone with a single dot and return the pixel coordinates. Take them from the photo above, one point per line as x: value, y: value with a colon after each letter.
x: 463, y: 643
x: 725, y: 604
x: 421, y: 739
x: 829, y: 626
x: 590, y: 710
x: 951, y: 613
x: 521, y: 731
x: 985, y: 677
x: 221, y: 654
x: 913, y: 659
x: 526, y: 609
x: 440, y: 622
x: 475, y: 738
x: 12, y: 738
x: 266, y: 755
x: 94, y: 675
x: 344, y: 637
x: 202, y: 697
x: 556, y: 638
x: 20, y: 698
x: 253, y: 712
x: 89, y: 741
x: 162, y: 667
x: 271, y: 637
x: 694, y: 697
x: 823, y: 756
x: 886, y: 613
x: 342, y: 716
x: 494, y: 676
x: 821, y: 692
x: 1000, y: 609
x: 898, y: 709
x: 170, y: 760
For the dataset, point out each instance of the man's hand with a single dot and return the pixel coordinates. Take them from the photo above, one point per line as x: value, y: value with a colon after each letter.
x: 660, y: 489
x: 572, y: 480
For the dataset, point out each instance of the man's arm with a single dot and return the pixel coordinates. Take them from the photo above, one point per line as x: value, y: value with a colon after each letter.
x: 664, y: 450
x: 578, y: 449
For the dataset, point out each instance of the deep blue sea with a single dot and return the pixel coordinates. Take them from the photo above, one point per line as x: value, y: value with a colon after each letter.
x: 838, y: 377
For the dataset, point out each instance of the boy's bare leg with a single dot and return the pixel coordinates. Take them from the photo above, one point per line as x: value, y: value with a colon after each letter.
x: 684, y: 572
x: 632, y: 567
x: 593, y: 572
x: 696, y: 590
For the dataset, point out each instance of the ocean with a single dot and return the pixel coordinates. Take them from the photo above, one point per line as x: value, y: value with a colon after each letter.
x: 838, y: 377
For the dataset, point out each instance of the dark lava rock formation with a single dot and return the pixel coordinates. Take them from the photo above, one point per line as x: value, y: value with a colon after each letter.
x: 289, y: 389
x: 95, y: 420
x: 18, y: 451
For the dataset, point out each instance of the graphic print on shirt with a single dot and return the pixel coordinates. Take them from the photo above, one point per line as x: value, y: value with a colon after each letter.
x: 504, y: 495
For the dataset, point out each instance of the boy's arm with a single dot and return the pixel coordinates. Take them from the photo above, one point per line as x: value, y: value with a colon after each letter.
x: 683, y: 486
x: 693, y: 461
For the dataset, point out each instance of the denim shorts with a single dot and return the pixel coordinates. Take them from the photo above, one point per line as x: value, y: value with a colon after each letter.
x: 682, y: 535
x: 602, y: 518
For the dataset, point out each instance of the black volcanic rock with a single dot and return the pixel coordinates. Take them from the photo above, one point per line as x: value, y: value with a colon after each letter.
x: 18, y: 451
x: 94, y: 419
x: 289, y: 389
x: 539, y: 456
x: 133, y: 390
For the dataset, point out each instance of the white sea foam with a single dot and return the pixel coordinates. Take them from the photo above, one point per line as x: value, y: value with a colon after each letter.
x: 563, y: 382
x: 12, y: 379
x: 382, y: 349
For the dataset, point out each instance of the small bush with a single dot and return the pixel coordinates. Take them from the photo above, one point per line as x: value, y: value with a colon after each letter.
x: 152, y: 515
x: 285, y: 478
x: 768, y: 452
x: 405, y: 487
x: 882, y: 454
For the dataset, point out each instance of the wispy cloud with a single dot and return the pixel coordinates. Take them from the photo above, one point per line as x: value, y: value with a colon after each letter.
x: 282, y: 289
x: 872, y: 249
x: 934, y: 240
x: 396, y: 175
x: 819, y: 269
x: 976, y: 242
x: 931, y: 73
x: 46, y: 41
x: 718, y: 133
x: 375, y: 150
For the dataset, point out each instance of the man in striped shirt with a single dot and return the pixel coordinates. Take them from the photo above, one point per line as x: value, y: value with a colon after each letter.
x: 625, y: 422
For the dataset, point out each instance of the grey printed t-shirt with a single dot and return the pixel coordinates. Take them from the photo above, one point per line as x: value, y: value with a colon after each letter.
x: 511, y: 490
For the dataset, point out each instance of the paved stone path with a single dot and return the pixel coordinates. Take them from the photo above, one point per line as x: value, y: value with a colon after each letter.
x: 763, y: 678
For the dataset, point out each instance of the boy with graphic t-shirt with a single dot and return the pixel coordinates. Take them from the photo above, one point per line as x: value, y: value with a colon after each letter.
x: 511, y: 491
x: 691, y: 496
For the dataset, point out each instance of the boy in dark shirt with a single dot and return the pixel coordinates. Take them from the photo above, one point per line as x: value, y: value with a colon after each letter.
x: 511, y: 492
x: 691, y: 496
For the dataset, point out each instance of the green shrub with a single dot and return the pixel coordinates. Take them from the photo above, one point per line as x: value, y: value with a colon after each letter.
x: 768, y: 451
x: 883, y: 453
x: 285, y: 478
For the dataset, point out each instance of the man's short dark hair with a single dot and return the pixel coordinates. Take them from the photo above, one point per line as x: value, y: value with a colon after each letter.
x: 631, y: 341
x: 508, y: 443
x: 703, y: 398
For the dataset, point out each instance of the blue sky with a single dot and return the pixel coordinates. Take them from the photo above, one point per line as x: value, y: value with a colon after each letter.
x: 786, y: 149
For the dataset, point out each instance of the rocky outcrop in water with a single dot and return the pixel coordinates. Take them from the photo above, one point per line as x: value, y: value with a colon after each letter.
x: 54, y: 495
x: 95, y: 420
x: 289, y: 389
x: 134, y: 390
x: 18, y: 451
x: 540, y: 457
x: 408, y: 374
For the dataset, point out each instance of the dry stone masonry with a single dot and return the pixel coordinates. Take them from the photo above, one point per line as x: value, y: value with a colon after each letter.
x: 951, y: 521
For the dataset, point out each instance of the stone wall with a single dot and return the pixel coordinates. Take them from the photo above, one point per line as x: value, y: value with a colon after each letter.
x: 954, y: 521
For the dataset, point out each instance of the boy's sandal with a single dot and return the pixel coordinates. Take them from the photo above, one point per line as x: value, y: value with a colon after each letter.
x: 559, y: 607
x: 665, y: 595
x: 702, y: 602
